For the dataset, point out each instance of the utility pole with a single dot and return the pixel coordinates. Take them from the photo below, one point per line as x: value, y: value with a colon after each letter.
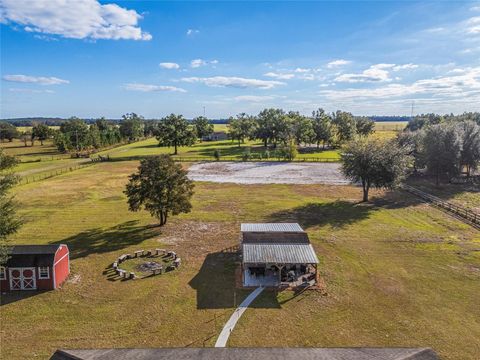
x: 204, y: 111
x: 76, y: 138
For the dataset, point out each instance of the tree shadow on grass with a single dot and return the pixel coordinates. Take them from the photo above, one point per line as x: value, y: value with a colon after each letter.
x: 336, y: 214
x: 100, y: 240
x: 215, y: 284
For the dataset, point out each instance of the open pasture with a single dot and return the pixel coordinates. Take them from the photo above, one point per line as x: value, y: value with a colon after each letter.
x: 393, y: 268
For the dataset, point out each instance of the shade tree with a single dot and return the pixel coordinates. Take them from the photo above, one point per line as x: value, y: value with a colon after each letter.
x: 131, y: 126
x: 175, y: 130
x: 203, y: 127
x: 374, y: 163
x: 161, y: 187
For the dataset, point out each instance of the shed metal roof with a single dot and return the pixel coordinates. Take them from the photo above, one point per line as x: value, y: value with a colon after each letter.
x: 33, y: 249
x: 279, y: 254
x: 271, y: 227
x: 31, y: 255
x: 275, y: 238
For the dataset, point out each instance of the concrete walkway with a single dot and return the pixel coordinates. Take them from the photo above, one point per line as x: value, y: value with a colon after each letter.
x: 227, y: 329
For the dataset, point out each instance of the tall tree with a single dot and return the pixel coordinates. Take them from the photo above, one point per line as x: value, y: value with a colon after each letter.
x: 25, y: 136
x: 8, y: 131
x: 131, y: 126
x: 73, y: 135
x: 203, y: 127
x: 322, y: 127
x: 175, y: 131
x: 412, y: 143
x: 364, y: 126
x: 41, y: 131
x: 442, y: 150
x: 374, y: 163
x: 301, y: 128
x: 270, y: 124
x: 345, y: 125
x: 9, y: 223
x: 241, y: 127
x: 470, y: 154
x: 161, y: 187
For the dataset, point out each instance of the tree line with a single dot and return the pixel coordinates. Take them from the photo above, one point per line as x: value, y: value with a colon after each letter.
x: 275, y: 126
x: 445, y: 146
x: 441, y: 146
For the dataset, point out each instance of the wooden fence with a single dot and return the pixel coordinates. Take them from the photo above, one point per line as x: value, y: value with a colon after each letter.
x: 46, y: 175
x: 464, y: 214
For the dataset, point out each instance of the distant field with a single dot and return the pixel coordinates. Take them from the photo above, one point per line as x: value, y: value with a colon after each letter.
x: 390, y: 125
x: 392, y: 268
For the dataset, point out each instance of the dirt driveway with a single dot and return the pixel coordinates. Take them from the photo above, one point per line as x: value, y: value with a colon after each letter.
x: 268, y: 173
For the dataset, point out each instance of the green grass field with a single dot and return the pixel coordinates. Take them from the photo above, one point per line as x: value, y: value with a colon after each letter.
x: 205, y: 150
x: 398, y: 272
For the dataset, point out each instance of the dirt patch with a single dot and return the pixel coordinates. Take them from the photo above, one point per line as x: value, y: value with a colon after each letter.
x: 268, y: 173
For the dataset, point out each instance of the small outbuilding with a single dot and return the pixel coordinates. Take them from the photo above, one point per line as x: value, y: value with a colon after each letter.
x: 277, y: 255
x: 216, y: 136
x: 35, y: 267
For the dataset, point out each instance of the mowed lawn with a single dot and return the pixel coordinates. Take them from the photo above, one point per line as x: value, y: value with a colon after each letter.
x: 398, y: 272
x: 206, y: 149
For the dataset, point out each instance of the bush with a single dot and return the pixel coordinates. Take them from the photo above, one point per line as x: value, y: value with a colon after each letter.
x: 288, y: 152
x: 216, y: 154
x: 246, y: 154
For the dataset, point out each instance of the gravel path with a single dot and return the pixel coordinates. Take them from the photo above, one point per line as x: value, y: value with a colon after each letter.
x: 268, y: 173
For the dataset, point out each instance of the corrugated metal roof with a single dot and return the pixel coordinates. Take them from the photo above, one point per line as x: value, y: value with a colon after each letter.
x: 279, y: 253
x: 271, y: 227
x: 275, y: 237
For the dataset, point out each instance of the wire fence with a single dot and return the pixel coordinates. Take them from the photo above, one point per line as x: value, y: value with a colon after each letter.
x: 226, y: 158
x: 465, y: 214
x: 27, y: 179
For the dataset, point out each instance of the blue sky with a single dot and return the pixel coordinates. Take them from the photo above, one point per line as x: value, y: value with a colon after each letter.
x: 90, y: 59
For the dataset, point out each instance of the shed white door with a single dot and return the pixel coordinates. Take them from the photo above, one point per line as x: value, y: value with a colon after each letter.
x: 22, y: 279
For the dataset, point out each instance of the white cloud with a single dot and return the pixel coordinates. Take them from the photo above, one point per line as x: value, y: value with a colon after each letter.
x: 374, y: 73
x: 306, y: 77
x: 152, y: 88
x: 31, y: 91
x: 472, y: 25
x: 191, y: 32
x: 302, y: 70
x: 254, y: 98
x: 337, y: 63
x: 475, y: 8
x: 169, y: 65
x: 234, y: 82
x: 405, y: 67
x: 200, y: 62
x: 197, y: 63
x: 279, y: 76
x: 42, y: 80
x: 85, y: 19
x: 463, y: 85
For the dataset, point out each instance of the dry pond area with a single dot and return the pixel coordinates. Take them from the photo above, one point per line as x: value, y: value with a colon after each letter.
x: 268, y: 173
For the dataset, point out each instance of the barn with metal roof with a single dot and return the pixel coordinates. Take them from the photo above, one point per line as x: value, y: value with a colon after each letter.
x: 277, y: 255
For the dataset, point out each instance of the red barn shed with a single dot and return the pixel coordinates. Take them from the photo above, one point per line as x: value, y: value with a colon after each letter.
x: 35, y: 267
